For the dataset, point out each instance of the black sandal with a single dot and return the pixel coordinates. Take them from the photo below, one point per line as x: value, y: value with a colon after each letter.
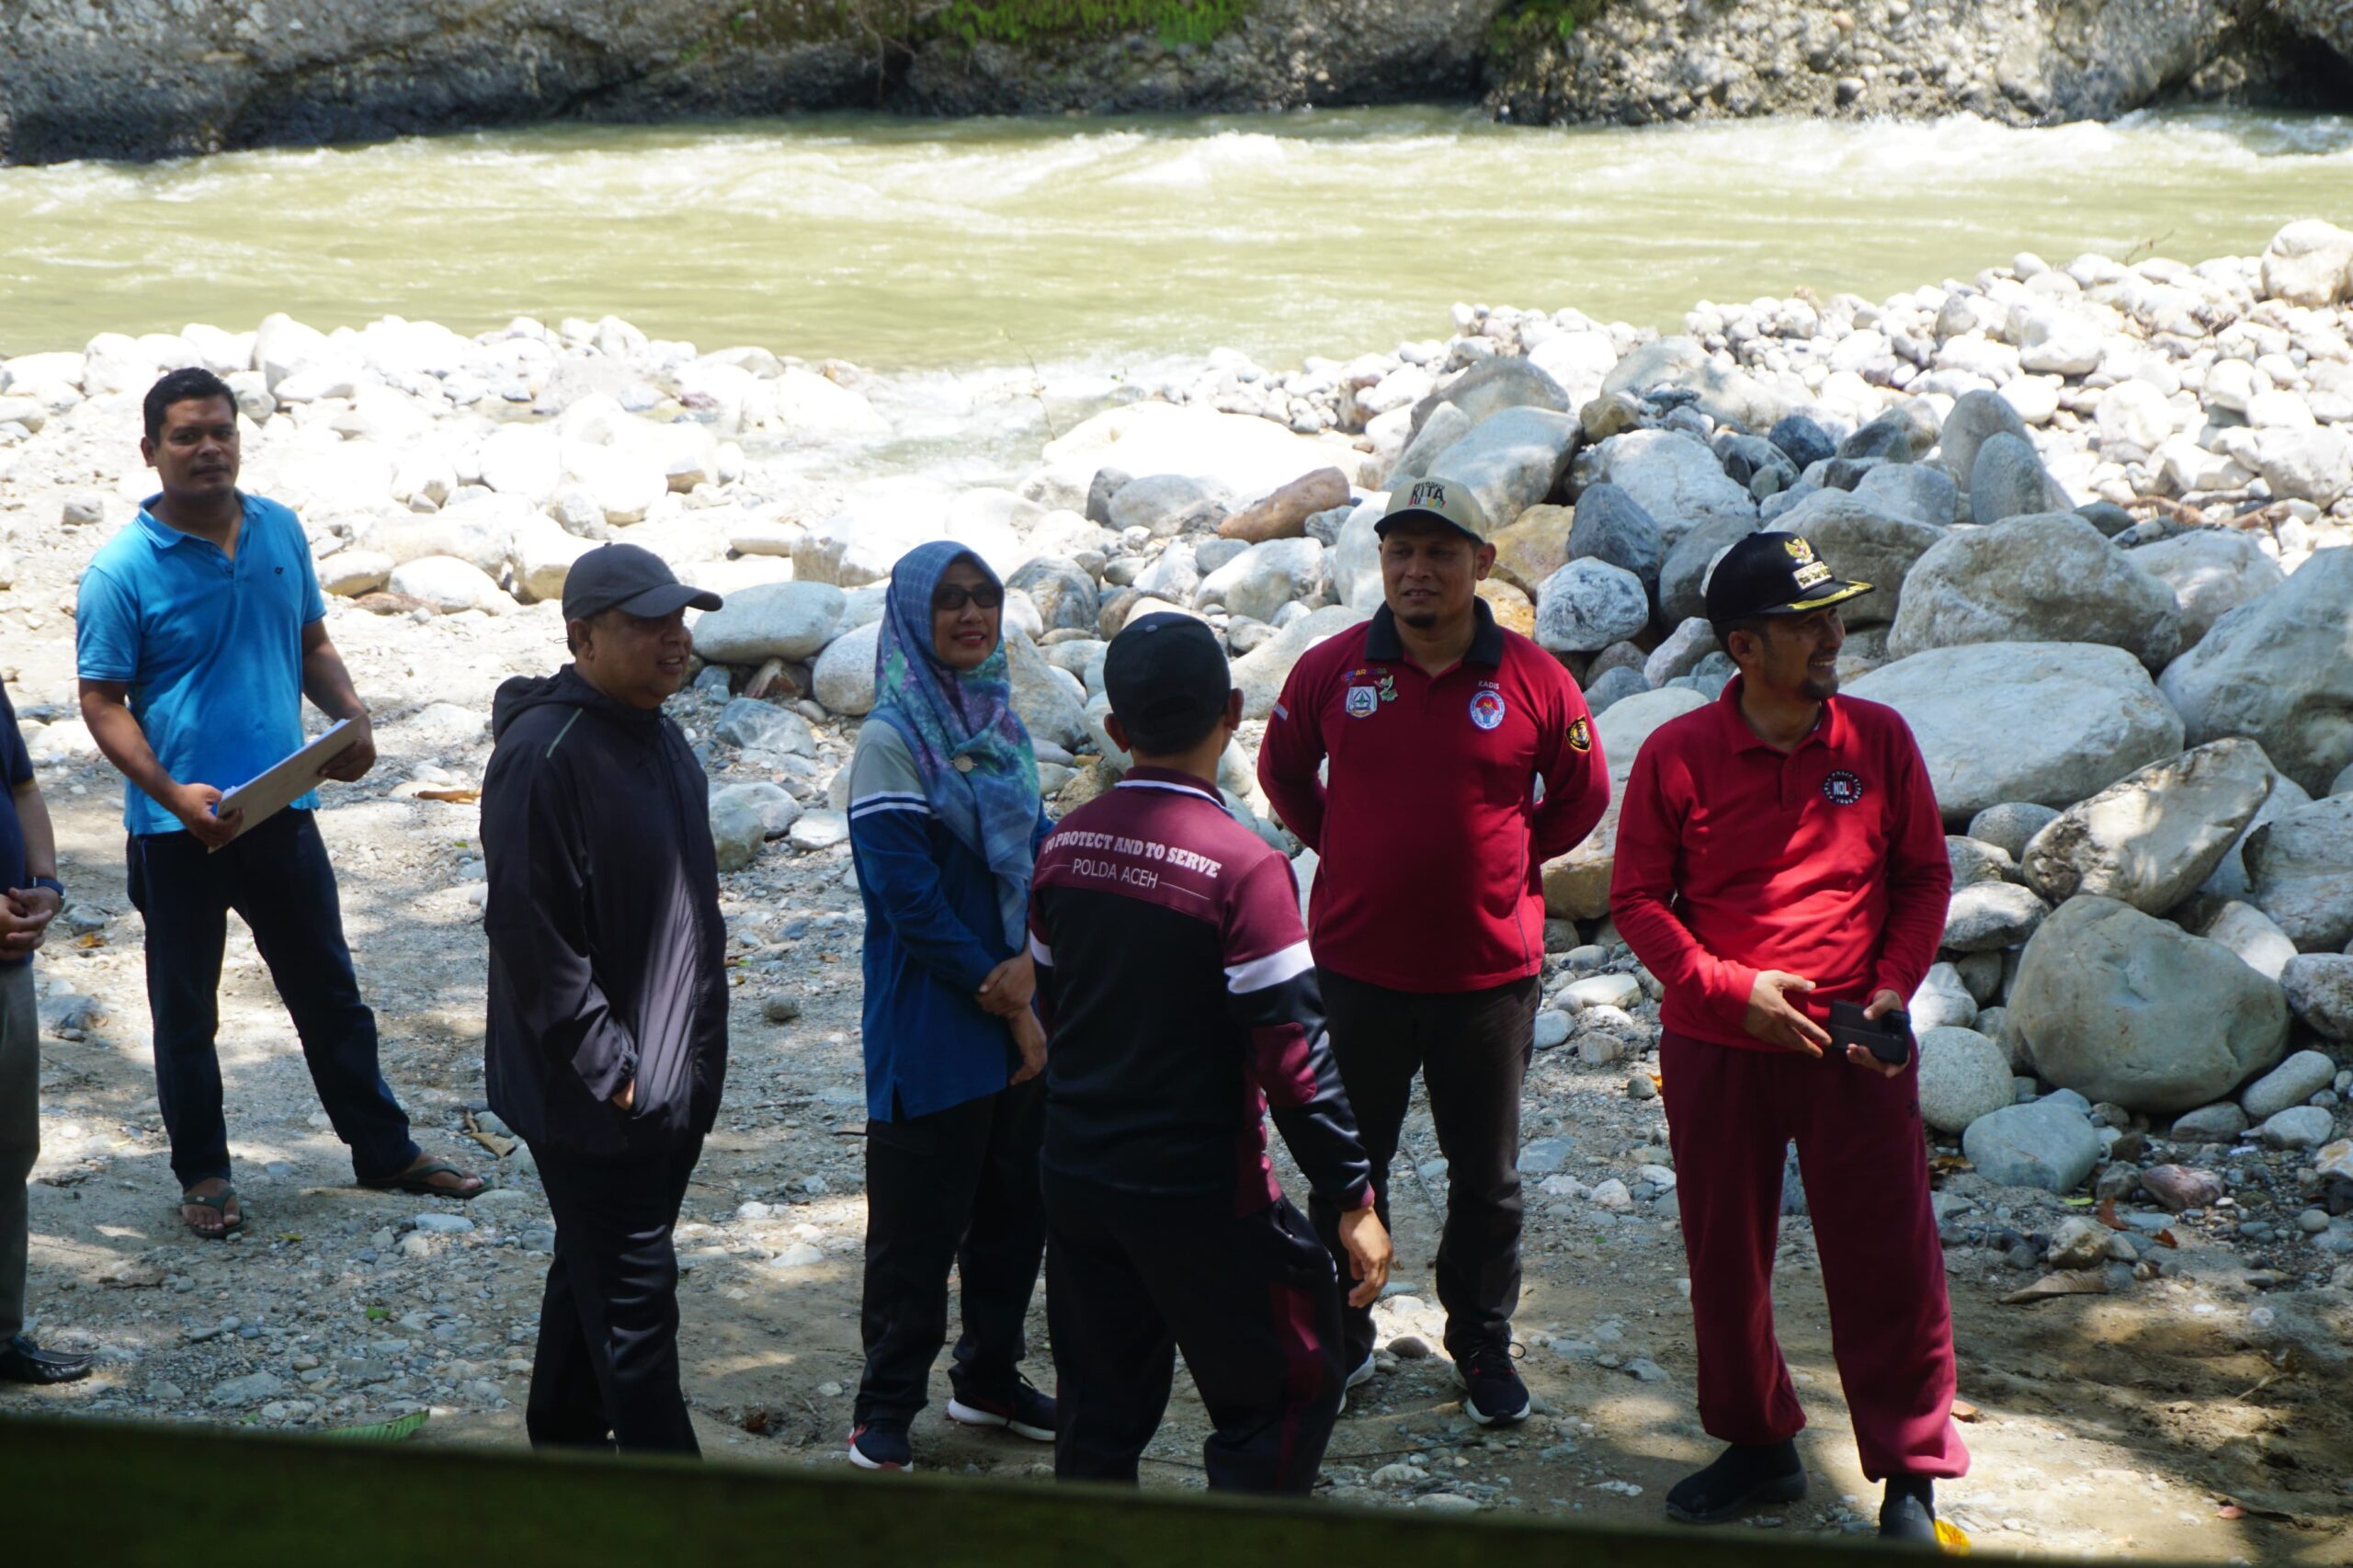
x: 417, y: 1180
x: 219, y: 1203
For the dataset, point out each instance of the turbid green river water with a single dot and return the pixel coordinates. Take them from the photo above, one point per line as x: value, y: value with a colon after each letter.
x: 952, y: 247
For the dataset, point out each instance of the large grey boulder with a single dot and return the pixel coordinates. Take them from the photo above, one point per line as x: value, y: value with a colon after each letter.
x: 2313, y: 465
x: 2010, y: 825
x: 2212, y: 571
x: 1976, y: 418
x: 1611, y: 526
x: 1676, y: 479
x: 1913, y: 491
x: 2047, y: 723
x: 1355, y: 559
x: 1260, y: 673
x: 2228, y: 879
x: 1065, y: 595
x: 758, y: 726
x: 773, y: 620
x: 1587, y: 605
x: 2051, y: 578
x: 1863, y: 542
x: 2124, y: 1007
x: 1510, y: 460
x: 1963, y: 1076
x: 2320, y: 991
x: 1490, y: 386
x: 1166, y: 504
x: 1683, y: 581
x: 2008, y: 481
x: 2278, y: 669
x: 2046, y: 1144
x: 1446, y: 426
x: 738, y: 830
x: 2300, y: 872
x: 2151, y: 838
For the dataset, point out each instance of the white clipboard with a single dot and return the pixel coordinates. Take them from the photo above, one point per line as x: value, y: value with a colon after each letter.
x: 263, y: 798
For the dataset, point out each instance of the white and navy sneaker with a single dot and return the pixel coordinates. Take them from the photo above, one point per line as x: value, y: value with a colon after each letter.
x: 1491, y: 1391
x: 1029, y: 1414
x: 880, y: 1448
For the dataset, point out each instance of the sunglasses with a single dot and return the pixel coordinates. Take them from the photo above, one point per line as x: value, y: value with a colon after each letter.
x: 950, y: 597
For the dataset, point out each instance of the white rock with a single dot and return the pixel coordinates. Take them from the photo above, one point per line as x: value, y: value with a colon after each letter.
x: 1260, y: 673
x: 351, y: 573
x: 1963, y: 1076
x: 543, y: 557
x: 2320, y: 991
x: 523, y: 460
x: 1676, y: 479
x: 2293, y: 1082
x: 2309, y: 263
x: 1262, y: 579
x: 2050, y: 578
x: 2212, y: 571
x: 843, y: 676
x: 2049, y: 722
x: 781, y: 620
x: 448, y: 584
x: 1590, y: 604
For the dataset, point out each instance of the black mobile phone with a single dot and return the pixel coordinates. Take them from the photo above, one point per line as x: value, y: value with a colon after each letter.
x: 1888, y: 1037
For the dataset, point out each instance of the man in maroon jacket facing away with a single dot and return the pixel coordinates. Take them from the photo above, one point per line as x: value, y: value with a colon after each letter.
x: 1181, y: 1003
x: 1462, y: 758
x: 1778, y: 851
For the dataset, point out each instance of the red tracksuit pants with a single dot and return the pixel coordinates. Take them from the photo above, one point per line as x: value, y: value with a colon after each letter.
x: 1730, y: 1113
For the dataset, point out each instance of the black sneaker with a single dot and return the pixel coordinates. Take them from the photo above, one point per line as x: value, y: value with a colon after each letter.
x: 880, y: 1448
x: 22, y: 1361
x: 1909, y: 1512
x: 1745, y: 1476
x: 1491, y: 1390
x: 1028, y: 1415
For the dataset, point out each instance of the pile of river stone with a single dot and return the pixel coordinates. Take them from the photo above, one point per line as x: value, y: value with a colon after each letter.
x: 2105, y: 507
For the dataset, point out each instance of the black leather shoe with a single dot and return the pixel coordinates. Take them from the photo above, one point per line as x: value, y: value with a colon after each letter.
x: 22, y: 1361
x: 1909, y: 1512
x: 1745, y: 1476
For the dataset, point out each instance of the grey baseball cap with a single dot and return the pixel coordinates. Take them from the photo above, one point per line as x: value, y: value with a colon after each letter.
x: 1439, y: 501
x: 631, y: 579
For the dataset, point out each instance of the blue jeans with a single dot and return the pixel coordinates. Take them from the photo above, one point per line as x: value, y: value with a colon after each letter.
x: 278, y: 881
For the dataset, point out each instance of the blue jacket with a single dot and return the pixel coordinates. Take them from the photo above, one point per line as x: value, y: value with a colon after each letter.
x: 932, y: 934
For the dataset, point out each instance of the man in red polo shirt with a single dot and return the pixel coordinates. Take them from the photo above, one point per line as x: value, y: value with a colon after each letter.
x: 1462, y: 758
x: 1778, y: 851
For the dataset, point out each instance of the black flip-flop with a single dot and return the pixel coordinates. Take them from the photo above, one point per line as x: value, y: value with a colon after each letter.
x: 417, y: 1182
x: 219, y: 1203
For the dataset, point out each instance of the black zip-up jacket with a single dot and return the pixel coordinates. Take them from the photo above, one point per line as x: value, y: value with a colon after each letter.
x: 608, y: 953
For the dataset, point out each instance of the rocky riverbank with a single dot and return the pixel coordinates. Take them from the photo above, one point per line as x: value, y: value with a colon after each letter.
x: 147, y: 79
x: 2110, y: 508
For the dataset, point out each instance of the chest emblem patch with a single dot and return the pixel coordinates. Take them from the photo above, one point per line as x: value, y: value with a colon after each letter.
x: 1842, y: 788
x: 1363, y: 702
x: 1487, y: 710
x: 1580, y: 734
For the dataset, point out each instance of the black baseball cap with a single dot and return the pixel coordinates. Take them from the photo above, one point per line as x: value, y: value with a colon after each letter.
x: 628, y: 578
x: 1774, y: 573
x: 1167, y: 680
x: 1441, y: 501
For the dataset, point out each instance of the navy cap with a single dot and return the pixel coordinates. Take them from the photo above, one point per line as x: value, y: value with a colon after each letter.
x: 1167, y: 678
x: 1774, y: 573
x: 628, y: 578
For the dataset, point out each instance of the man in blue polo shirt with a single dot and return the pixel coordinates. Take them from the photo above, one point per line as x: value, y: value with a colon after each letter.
x: 200, y: 630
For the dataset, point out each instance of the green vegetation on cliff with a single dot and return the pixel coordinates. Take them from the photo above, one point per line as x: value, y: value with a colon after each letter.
x: 1021, y: 21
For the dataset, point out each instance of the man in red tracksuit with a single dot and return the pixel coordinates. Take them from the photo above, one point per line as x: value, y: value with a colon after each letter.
x: 1462, y: 758
x: 1778, y: 851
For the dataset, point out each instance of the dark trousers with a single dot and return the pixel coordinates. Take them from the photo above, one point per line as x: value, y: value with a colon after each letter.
x: 1472, y: 1050
x: 279, y: 881
x: 1730, y: 1113
x: 1253, y: 1302
x: 20, y: 1135
x: 606, y: 1374
x: 957, y: 1186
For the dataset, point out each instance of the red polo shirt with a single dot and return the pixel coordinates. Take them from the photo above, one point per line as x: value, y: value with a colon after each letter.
x: 1828, y: 863
x: 1431, y: 838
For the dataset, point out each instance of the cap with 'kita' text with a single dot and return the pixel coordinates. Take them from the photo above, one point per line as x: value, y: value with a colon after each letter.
x: 1440, y: 501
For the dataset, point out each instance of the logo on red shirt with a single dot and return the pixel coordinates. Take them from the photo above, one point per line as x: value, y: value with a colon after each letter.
x: 1487, y: 710
x: 1363, y: 702
x: 1842, y: 788
x: 1580, y: 736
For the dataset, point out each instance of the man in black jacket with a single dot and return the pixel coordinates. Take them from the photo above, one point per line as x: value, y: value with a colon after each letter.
x: 608, y: 1029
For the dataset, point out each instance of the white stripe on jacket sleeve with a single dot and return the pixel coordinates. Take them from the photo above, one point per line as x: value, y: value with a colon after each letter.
x: 1272, y: 970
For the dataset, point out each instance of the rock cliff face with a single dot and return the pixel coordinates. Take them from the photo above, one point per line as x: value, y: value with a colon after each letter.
x: 1637, y: 60
x: 154, y: 78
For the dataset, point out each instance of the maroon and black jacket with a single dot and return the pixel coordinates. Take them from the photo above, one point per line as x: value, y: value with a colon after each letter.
x: 1174, y: 982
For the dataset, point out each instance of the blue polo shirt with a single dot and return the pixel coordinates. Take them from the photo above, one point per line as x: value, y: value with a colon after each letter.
x: 211, y: 648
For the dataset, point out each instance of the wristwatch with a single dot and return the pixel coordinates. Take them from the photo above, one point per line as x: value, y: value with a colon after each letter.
x: 54, y: 885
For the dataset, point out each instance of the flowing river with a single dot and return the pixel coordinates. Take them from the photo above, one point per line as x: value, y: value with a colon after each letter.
x: 972, y: 259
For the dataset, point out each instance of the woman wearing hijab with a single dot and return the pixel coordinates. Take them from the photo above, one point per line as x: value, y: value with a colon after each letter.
x: 945, y: 820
